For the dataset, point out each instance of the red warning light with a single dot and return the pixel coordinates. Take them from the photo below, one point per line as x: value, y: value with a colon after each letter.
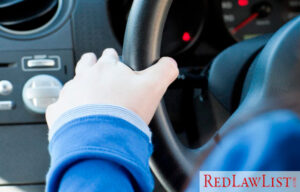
x: 186, y: 37
x: 243, y: 3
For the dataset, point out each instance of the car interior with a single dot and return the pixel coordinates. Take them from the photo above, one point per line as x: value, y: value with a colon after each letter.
x: 215, y: 43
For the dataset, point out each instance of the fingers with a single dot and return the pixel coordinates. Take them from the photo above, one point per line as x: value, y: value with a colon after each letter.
x: 109, y: 57
x: 163, y: 73
x: 87, y: 60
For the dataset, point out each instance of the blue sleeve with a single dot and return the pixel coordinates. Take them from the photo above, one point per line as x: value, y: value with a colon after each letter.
x: 96, y: 175
x: 99, y: 152
x: 269, y: 142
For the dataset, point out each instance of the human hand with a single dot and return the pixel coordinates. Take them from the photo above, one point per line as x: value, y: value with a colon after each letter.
x: 108, y: 81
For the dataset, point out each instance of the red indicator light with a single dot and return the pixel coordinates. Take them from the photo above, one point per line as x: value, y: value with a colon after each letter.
x: 186, y: 37
x: 243, y: 3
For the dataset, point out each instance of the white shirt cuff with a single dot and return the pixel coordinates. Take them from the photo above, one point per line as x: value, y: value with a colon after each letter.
x: 94, y: 109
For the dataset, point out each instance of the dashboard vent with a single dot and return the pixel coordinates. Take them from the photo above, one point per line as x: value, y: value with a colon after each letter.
x: 26, y: 15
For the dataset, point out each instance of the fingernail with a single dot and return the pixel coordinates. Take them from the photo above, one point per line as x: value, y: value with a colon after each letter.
x: 109, y: 51
x: 87, y: 55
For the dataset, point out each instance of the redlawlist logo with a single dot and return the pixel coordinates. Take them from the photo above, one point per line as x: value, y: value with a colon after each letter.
x: 248, y: 181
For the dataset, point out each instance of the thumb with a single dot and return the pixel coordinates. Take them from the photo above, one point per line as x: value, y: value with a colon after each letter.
x: 163, y: 73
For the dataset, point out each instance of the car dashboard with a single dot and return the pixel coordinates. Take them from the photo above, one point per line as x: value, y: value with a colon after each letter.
x: 40, y: 42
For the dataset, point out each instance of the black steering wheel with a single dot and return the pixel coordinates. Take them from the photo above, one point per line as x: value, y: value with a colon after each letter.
x: 274, y: 73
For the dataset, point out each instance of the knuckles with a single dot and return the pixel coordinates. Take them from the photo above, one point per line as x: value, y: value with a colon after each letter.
x: 171, y: 66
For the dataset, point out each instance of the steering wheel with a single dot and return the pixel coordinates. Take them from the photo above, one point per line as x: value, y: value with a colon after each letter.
x: 274, y: 73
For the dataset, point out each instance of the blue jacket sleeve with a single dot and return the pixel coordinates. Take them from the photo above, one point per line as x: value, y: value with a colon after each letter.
x: 99, y: 153
x: 269, y: 142
x: 97, y: 175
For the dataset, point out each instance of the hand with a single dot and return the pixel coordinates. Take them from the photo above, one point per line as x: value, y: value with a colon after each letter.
x: 108, y: 81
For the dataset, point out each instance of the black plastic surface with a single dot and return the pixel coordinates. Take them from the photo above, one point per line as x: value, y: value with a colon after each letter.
x: 92, y: 30
x: 24, y: 156
x: 58, y: 20
x: 60, y: 39
x: 25, y: 11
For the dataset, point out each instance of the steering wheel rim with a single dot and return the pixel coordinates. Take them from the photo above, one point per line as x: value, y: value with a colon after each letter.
x: 142, y: 48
